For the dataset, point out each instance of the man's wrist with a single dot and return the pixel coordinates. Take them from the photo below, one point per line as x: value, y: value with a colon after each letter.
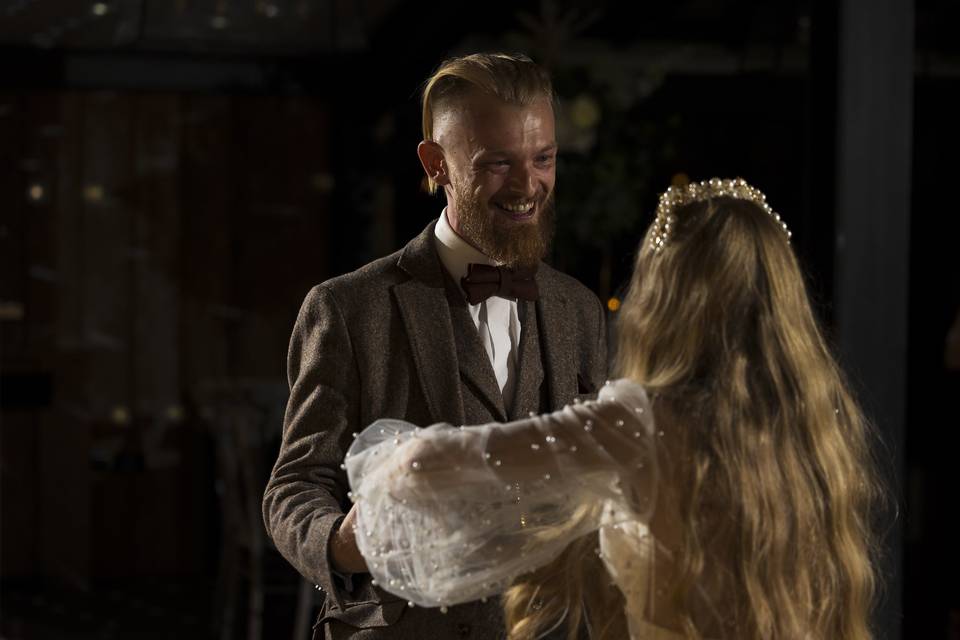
x: 335, y: 547
x: 344, y: 555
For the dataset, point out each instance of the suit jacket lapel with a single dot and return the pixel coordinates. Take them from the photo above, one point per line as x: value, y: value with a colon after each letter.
x: 425, y: 310
x: 529, y: 365
x: 473, y: 360
x: 556, y: 339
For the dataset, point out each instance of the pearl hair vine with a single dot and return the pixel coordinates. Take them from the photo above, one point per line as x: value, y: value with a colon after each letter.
x: 675, y: 197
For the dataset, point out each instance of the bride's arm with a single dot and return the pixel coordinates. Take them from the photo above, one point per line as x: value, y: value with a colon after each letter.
x: 449, y: 515
x: 612, y: 434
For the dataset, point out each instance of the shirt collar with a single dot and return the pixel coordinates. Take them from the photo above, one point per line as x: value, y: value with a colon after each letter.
x: 455, y: 252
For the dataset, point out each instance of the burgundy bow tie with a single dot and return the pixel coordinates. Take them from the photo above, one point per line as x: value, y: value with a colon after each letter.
x: 483, y: 281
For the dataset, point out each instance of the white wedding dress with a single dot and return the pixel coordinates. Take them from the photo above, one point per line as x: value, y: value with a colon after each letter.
x: 453, y: 514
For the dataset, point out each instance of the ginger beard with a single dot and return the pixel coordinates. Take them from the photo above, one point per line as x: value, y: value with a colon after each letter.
x: 507, y: 242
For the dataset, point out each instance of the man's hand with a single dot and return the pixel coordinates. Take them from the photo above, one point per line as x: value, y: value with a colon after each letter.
x: 344, y: 553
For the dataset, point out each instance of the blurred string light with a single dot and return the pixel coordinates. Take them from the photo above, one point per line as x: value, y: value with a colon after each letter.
x: 120, y: 415
x: 93, y: 193
x: 613, y: 304
x: 36, y: 192
x: 56, y: 29
x: 268, y: 9
x: 322, y: 182
x: 11, y: 310
x: 585, y: 112
x: 219, y: 21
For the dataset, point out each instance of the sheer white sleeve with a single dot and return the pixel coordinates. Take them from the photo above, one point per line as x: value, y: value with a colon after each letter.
x: 454, y: 514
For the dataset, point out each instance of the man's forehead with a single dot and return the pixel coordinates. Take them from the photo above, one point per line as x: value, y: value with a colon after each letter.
x: 477, y: 112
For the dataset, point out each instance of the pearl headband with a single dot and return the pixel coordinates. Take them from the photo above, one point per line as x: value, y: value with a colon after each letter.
x: 675, y: 197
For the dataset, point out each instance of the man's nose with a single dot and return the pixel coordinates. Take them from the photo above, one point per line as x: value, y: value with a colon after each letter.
x: 523, y: 181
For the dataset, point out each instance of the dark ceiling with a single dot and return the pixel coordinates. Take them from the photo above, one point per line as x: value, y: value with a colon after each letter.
x: 699, y: 36
x: 215, y: 26
x: 303, y: 27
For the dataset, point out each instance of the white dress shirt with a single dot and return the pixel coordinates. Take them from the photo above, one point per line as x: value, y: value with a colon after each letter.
x: 496, y: 318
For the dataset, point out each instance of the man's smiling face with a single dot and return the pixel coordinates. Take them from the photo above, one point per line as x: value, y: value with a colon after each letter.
x: 501, y: 162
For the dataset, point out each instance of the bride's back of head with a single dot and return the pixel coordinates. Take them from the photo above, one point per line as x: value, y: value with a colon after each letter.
x: 767, y: 469
x: 771, y: 471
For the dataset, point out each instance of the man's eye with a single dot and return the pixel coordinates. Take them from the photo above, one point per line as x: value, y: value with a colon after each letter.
x: 499, y: 163
x: 545, y: 158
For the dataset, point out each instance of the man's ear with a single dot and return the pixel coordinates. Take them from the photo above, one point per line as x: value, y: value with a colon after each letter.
x: 433, y: 161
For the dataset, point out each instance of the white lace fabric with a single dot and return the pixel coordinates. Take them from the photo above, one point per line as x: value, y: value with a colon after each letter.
x: 450, y: 515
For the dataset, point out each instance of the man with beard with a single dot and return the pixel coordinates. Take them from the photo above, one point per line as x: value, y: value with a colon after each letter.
x: 464, y: 325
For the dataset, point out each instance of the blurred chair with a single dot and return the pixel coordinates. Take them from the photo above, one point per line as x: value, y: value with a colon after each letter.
x: 240, y: 421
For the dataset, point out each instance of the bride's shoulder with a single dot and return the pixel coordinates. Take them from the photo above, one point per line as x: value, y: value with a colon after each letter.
x: 626, y: 390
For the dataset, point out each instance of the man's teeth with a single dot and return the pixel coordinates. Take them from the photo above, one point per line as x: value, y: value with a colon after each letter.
x: 516, y: 207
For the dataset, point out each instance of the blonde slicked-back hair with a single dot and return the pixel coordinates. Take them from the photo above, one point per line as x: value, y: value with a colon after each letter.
x: 513, y: 78
x: 773, y: 477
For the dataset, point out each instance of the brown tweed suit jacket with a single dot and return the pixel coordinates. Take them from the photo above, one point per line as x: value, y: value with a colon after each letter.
x: 394, y: 339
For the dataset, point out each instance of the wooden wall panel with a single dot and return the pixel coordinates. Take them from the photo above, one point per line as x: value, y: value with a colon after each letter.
x: 155, y: 236
x: 70, y: 250
x: 109, y: 252
x: 19, y: 494
x: 13, y: 217
x: 280, y: 226
x: 174, y: 242
x: 206, y: 198
x: 63, y: 473
x: 63, y: 465
x: 42, y: 279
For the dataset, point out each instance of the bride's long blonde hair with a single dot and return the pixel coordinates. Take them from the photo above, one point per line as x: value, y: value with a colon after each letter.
x: 774, y: 480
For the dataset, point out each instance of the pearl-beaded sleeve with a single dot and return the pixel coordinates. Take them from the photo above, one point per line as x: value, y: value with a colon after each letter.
x: 450, y: 515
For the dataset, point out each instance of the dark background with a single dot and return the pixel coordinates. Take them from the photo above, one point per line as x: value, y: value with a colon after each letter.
x: 176, y: 174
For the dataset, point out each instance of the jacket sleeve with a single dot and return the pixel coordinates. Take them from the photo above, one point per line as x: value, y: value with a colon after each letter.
x: 599, y: 363
x: 306, y: 494
x: 593, y: 366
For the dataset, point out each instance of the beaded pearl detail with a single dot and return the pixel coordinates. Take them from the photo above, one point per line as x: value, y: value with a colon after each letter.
x: 675, y: 197
x: 420, y: 550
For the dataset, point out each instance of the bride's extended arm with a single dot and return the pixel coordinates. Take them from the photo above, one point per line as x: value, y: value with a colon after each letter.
x: 449, y: 515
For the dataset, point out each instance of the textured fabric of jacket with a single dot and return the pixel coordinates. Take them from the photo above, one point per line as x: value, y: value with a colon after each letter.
x: 395, y: 339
